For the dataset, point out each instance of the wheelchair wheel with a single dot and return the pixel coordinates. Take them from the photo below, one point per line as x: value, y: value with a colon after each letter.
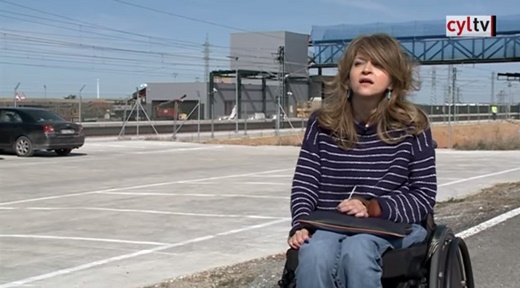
x: 458, y: 271
x: 438, y: 251
x: 450, y: 265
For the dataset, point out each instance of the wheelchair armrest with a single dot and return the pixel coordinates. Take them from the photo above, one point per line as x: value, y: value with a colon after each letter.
x: 291, y: 263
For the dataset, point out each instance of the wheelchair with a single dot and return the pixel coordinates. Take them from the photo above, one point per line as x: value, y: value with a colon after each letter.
x: 441, y: 261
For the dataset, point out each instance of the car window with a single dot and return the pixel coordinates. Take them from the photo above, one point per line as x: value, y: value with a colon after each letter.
x: 45, y: 116
x: 10, y: 117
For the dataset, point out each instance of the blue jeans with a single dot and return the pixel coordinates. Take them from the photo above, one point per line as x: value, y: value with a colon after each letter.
x: 332, y: 260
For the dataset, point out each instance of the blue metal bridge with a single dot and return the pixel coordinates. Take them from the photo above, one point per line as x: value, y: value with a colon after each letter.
x: 424, y: 40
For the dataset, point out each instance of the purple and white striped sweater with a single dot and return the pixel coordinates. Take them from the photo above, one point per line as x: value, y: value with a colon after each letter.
x: 401, y: 176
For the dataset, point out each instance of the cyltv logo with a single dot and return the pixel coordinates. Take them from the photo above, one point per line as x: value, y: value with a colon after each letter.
x: 471, y: 26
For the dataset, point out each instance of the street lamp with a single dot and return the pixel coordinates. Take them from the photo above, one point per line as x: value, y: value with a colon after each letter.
x: 176, y: 114
x: 236, y: 91
x: 14, y: 96
x: 212, y: 106
x: 279, y: 105
x: 198, y: 116
x: 80, y: 100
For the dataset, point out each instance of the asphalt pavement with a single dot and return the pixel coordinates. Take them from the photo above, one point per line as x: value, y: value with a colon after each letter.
x: 495, y: 254
x: 134, y: 213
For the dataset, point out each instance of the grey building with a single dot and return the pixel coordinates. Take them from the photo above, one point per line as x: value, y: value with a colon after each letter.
x: 257, y: 51
x: 262, y: 75
x: 158, y: 99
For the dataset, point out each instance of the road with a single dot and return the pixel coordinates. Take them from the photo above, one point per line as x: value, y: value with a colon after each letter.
x: 495, y: 253
x: 134, y: 213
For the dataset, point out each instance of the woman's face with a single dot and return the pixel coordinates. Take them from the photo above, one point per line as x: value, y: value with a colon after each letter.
x: 367, y: 79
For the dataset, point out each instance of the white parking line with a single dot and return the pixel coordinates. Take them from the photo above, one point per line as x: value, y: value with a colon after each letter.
x: 196, y: 195
x: 479, y: 177
x: 464, y: 234
x: 263, y: 183
x: 50, y: 237
x: 448, y: 178
x: 49, y: 198
x: 275, y: 176
x: 145, y: 212
x: 134, y: 254
x: 488, y: 224
x: 235, y: 176
x: 176, y: 150
x: 141, y: 186
x: 10, y: 164
x: 105, y: 145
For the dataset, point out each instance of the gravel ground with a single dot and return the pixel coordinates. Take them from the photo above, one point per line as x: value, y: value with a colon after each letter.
x: 265, y: 272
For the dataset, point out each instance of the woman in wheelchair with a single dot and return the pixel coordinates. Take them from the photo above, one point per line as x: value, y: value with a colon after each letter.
x: 367, y: 152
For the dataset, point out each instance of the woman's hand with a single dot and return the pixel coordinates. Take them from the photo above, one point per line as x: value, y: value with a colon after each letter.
x: 353, y: 207
x: 297, y: 240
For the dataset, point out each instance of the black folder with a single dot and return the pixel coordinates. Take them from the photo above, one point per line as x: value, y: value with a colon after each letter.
x: 348, y: 224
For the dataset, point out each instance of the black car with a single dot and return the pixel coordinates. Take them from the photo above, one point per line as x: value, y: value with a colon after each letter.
x: 25, y: 130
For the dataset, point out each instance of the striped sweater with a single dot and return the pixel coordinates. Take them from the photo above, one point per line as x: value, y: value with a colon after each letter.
x: 402, y: 177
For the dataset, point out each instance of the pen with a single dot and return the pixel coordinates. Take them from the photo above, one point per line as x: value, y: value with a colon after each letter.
x: 350, y: 196
x: 352, y: 193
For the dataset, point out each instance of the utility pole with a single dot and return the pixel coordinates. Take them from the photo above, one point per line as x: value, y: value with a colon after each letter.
x: 237, y: 87
x: 206, y: 60
x: 510, y: 102
x: 457, y: 106
x: 454, y: 87
x: 80, y: 103
x: 492, y: 87
x: 433, y: 97
x: 205, y: 57
x: 453, y: 93
x: 280, y: 58
x: 500, y: 102
x: 509, y: 77
x: 447, y: 101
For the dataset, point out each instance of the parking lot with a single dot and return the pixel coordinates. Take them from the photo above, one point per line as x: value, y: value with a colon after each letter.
x: 133, y: 213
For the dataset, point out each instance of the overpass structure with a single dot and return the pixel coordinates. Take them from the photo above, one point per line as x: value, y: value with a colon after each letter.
x: 426, y: 41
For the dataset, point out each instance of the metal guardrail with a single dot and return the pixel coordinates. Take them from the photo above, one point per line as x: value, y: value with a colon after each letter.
x: 192, y: 126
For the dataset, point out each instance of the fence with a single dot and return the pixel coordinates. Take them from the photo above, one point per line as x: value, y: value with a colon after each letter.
x: 470, y: 111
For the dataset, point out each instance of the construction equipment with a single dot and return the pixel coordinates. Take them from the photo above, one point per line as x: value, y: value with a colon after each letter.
x: 305, y: 108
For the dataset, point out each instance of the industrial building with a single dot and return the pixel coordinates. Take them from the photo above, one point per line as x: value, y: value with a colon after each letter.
x: 267, y: 68
x: 264, y: 64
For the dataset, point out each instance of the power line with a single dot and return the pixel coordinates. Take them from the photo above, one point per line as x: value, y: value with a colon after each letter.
x: 148, y: 41
x: 96, y: 26
x: 193, y: 19
x: 84, y: 53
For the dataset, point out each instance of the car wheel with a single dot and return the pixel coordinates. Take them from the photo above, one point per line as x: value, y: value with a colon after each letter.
x: 23, y: 147
x: 63, y: 152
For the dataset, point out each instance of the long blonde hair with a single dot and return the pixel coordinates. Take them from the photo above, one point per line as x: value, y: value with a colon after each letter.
x: 336, y: 114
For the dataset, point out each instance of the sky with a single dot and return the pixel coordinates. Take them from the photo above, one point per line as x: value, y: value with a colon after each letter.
x: 55, y: 47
